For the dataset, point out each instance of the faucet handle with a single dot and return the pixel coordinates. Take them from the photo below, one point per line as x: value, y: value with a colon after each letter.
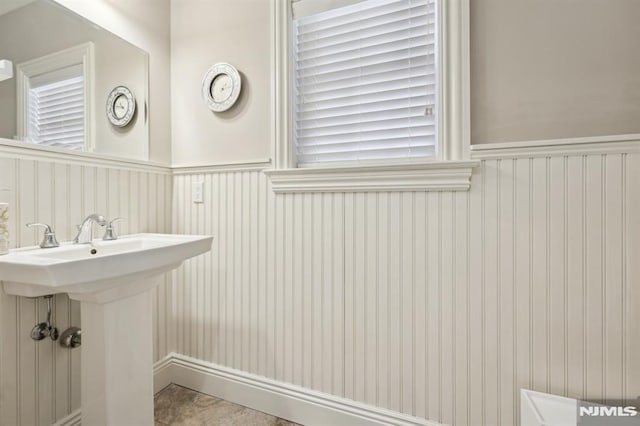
x: 117, y: 219
x: 49, y: 240
x: 110, y: 233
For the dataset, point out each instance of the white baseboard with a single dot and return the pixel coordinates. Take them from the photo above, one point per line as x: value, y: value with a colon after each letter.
x: 73, y: 419
x: 162, y: 373
x: 280, y: 399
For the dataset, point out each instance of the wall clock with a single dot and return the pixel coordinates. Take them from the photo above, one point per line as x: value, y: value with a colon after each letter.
x: 121, y: 106
x: 221, y: 87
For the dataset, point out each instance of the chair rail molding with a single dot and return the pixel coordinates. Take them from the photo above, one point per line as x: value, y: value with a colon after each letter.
x: 614, y: 144
x: 28, y: 151
x: 239, y: 166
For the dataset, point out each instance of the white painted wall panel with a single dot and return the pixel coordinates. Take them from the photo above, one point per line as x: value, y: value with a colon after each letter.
x: 40, y: 381
x: 631, y: 275
x: 440, y: 305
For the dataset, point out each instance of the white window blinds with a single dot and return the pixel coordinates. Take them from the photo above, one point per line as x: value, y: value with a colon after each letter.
x: 365, y: 82
x: 56, y: 108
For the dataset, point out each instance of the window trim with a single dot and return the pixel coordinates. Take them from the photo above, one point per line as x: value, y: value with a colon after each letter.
x: 80, y: 54
x: 453, y: 119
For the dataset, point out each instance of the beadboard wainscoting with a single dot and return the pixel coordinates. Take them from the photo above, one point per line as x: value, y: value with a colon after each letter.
x: 440, y: 305
x: 40, y: 381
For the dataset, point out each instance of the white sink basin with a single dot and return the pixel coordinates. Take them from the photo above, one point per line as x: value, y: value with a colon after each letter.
x: 83, y: 270
x: 113, y: 282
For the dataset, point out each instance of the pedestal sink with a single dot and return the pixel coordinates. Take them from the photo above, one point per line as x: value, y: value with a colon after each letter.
x: 113, y: 282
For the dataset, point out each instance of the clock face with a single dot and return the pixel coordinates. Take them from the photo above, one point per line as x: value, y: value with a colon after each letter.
x: 221, y: 87
x: 121, y: 106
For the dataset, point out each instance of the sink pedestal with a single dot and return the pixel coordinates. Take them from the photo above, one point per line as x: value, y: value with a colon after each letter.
x: 117, y: 358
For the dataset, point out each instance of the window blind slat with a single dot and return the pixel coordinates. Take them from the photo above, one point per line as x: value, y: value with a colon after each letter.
x: 337, y: 8
x: 62, y: 135
x: 370, y: 71
x: 399, y: 132
x: 75, y: 145
x: 397, y: 30
x: 323, y: 25
x: 347, y: 119
x: 47, y: 91
x: 425, y: 138
x: 43, y: 116
x: 60, y: 107
x: 62, y: 121
x: 370, y: 61
x: 368, y: 155
x: 64, y: 97
x: 371, y: 126
x: 365, y: 82
x: 62, y: 115
x: 381, y: 96
x: 368, y: 108
x: 69, y: 127
x: 372, y: 36
x: 413, y: 77
x: 61, y: 125
x: 364, y: 53
x: 362, y: 145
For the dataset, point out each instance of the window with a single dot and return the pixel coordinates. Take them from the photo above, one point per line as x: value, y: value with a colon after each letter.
x: 364, y: 81
x: 54, y: 99
x: 55, y: 109
x: 371, y: 95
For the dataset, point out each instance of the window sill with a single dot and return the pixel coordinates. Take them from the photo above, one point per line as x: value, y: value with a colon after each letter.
x: 428, y: 176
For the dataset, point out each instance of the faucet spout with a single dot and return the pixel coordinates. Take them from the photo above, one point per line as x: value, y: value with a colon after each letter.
x: 85, y: 230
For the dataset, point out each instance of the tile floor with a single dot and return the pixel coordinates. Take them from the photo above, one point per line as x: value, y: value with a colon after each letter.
x: 175, y: 405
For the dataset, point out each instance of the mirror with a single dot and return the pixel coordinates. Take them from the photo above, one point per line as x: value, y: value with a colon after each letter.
x: 61, y: 72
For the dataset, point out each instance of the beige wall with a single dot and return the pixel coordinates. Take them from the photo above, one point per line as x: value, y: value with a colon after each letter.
x: 202, y: 34
x: 144, y: 23
x: 546, y: 69
x: 8, y: 5
x: 550, y: 69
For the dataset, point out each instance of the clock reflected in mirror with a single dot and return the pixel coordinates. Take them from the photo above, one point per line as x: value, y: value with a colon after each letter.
x: 221, y: 87
x: 121, y: 106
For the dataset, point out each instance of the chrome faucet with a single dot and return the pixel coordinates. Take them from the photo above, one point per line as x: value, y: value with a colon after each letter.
x: 85, y: 231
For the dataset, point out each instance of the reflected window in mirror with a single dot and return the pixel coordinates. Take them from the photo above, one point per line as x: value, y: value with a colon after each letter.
x: 55, y: 109
x: 52, y: 93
